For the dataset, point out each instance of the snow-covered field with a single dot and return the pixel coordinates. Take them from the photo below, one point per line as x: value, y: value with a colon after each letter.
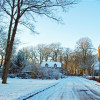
x: 71, y: 88
x: 21, y: 87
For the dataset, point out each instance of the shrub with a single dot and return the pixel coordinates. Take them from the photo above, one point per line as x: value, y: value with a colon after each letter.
x: 49, y: 73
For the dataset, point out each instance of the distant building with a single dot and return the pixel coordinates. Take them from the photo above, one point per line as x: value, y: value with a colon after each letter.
x: 51, y: 64
x: 96, y: 68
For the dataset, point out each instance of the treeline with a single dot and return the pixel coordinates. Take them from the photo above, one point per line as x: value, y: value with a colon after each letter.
x: 75, y: 62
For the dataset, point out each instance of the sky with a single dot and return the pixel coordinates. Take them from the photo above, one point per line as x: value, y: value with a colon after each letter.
x: 81, y: 20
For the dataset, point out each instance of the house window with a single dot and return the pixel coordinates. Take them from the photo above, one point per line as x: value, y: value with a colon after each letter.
x: 55, y: 65
x: 46, y: 65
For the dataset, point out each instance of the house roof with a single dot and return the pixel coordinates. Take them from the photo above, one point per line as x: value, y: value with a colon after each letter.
x: 50, y: 64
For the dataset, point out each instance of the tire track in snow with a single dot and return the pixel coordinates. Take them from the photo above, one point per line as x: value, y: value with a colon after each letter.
x: 39, y: 92
x: 35, y: 93
x: 72, y: 88
x: 86, y: 88
x: 53, y: 93
x: 80, y: 91
x: 92, y: 93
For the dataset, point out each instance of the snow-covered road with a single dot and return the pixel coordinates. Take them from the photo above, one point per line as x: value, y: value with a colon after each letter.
x: 71, y: 88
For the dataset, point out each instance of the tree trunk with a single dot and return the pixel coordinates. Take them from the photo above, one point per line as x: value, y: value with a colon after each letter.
x: 5, y: 69
x: 8, y: 53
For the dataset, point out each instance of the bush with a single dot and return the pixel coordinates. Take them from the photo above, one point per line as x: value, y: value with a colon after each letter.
x: 49, y: 73
x: 12, y: 75
x: 24, y: 75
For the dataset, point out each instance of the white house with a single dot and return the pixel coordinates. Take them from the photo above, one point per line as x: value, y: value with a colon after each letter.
x: 96, y: 67
x: 51, y: 64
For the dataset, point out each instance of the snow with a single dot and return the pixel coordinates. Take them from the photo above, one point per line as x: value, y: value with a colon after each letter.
x: 70, y: 88
x: 16, y: 88
x: 51, y: 64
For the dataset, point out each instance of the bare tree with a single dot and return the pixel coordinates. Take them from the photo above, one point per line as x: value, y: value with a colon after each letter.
x: 84, y: 47
x: 17, y: 9
x: 41, y: 52
x: 60, y: 58
x: 26, y: 52
x: 66, y: 55
x: 33, y: 55
x: 75, y: 59
x: 47, y: 52
x: 30, y: 54
x: 55, y: 51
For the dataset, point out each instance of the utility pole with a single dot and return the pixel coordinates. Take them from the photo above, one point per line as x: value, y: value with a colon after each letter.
x: 99, y: 59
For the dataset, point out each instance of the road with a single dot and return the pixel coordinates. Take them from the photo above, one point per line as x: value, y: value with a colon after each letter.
x: 71, y: 88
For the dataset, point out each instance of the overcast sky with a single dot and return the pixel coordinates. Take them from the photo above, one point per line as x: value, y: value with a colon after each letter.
x: 81, y: 20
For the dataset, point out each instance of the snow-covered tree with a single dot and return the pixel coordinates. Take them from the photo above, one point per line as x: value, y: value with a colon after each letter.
x: 18, y: 62
x: 49, y: 73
